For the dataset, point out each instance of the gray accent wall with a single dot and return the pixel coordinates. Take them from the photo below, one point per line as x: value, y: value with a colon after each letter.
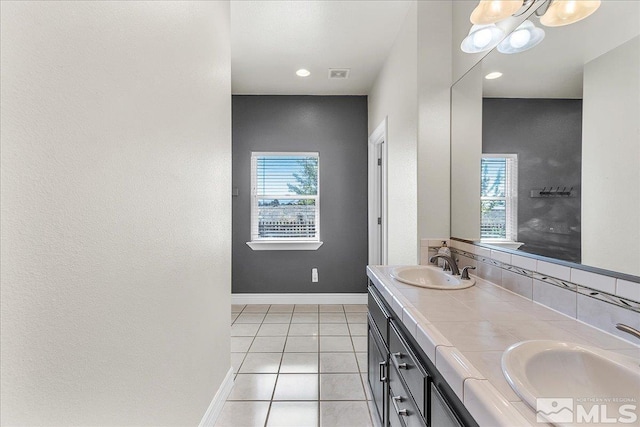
x: 335, y: 127
x: 547, y: 136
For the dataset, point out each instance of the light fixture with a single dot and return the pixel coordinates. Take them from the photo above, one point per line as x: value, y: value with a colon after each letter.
x: 303, y: 72
x: 565, y: 12
x: 492, y: 11
x: 494, y: 75
x: 482, y: 38
x: 522, y: 38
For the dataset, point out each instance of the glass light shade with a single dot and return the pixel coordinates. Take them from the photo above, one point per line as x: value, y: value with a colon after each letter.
x: 565, y: 12
x: 522, y: 38
x: 482, y: 38
x: 492, y: 11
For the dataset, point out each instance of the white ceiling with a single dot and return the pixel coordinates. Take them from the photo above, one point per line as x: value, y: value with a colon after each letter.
x: 270, y: 40
x: 553, y: 69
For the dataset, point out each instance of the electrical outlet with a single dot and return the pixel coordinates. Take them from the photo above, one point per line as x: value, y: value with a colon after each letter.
x: 314, y: 275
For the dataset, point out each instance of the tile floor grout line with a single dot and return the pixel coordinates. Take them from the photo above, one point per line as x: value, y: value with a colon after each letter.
x: 275, y: 385
x: 273, y: 392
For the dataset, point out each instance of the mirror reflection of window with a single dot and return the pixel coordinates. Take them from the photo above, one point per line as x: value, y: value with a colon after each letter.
x: 499, y: 197
x: 569, y: 107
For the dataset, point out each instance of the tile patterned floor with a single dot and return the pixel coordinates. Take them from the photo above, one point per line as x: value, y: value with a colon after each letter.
x: 302, y: 365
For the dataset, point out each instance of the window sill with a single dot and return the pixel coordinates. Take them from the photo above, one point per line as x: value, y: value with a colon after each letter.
x: 284, y: 246
x: 507, y: 244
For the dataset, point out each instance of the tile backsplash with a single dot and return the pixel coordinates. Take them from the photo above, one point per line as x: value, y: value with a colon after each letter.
x: 596, y: 299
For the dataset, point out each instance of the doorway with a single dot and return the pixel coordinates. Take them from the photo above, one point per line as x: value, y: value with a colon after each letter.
x: 378, y: 195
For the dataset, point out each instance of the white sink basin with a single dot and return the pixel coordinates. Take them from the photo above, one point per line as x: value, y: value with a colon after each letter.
x: 429, y: 277
x: 563, y: 381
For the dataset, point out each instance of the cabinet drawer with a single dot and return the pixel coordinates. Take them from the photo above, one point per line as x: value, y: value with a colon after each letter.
x: 408, y: 367
x: 379, y: 314
x: 394, y: 418
x: 401, y: 404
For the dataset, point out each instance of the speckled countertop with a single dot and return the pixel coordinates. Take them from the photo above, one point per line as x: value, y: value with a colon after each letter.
x: 465, y: 332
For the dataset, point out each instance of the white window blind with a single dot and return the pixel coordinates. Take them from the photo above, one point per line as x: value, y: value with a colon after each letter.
x: 285, y: 202
x: 498, y: 197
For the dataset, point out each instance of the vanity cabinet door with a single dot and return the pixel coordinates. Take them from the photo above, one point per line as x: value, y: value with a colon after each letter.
x: 377, y: 372
x: 441, y: 414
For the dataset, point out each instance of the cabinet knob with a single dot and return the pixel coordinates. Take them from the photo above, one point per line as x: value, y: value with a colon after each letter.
x: 403, y: 366
x: 403, y: 412
x: 398, y: 355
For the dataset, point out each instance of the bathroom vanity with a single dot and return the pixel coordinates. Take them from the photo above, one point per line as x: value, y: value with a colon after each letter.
x: 435, y: 355
x: 407, y: 388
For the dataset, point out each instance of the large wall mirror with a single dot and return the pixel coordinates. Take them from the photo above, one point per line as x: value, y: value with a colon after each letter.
x: 546, y: 158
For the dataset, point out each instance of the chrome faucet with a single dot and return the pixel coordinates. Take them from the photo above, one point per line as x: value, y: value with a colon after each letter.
x: 448, y: 260
x: 628, y: 329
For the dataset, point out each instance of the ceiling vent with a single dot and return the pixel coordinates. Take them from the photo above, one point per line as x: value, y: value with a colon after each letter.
x: 339, y: 73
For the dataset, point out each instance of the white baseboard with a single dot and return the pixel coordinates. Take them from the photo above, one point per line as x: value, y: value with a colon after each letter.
x: 299, y: 298
x: 215, y: 407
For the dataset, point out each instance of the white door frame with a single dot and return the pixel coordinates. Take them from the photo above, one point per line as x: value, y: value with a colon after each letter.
x: 378, y: 195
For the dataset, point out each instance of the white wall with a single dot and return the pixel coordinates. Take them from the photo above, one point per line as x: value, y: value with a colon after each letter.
x: 115, y: 257
x: 610, y: 153
x: 466, y: 155
x: 413, y: 91
x: 395, y: 95
x: 434, y: 82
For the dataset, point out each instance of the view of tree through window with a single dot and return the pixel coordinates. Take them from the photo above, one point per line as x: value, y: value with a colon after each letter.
x: 498, y: 190
x: 285, y: 196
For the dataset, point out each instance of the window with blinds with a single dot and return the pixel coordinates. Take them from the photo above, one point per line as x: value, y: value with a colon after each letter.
x: 285, y: 197
x: 498, y: 197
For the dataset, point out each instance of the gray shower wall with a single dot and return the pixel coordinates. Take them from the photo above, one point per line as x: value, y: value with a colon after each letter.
x: 547, y: 136
x: 335, y: 127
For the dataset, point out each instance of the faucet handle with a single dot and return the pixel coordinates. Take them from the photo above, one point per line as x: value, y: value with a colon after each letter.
x: 465, y: 272
x: 628, y: 329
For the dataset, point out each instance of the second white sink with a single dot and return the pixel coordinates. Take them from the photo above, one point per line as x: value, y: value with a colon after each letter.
x: 429, y: 277
x: 546, y: 372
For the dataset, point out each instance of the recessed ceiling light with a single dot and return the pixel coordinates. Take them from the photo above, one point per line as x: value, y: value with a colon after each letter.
x: 303, y: 72
x: 494, y: 75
